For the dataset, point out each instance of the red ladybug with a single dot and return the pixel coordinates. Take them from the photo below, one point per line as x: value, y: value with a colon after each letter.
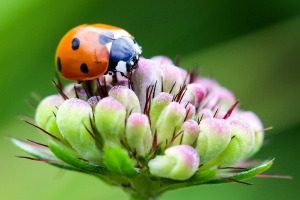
x: 89, y: 51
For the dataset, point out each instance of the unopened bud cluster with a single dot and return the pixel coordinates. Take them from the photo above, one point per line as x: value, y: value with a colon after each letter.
x: 161, y: 123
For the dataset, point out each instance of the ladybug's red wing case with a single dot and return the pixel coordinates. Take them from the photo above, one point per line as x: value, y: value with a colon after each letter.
x: 89, y: 51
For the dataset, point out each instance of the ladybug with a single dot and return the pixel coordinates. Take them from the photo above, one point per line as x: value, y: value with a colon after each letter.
x: 87, y: 52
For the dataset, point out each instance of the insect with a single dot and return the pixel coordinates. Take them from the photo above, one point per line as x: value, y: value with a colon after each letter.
x: 87, y: 52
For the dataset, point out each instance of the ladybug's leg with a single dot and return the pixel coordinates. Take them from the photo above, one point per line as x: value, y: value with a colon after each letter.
x: 114, y: 78
x: 128, y: 67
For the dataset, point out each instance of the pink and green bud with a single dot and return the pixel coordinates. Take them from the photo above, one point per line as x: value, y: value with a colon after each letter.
x: 190, y: 110
x: 146, y: 75
x: 195, y: 94
x: 173, y: 78
x: 162, y: 60
x: 138, y: 134
x: 221, y: 98
x: 191, y: 131
x: 110, y: 116
x: 188, y: 134
x: 74, y: 122
x: 256, y: 125
x: 178, y: 163
x: 205, y: 113
x: 169, y: 122
x: 241, y: 145
x: 157, y: 105
x: 126, y: 97
x: 45, y: 115
x: 214, y: 137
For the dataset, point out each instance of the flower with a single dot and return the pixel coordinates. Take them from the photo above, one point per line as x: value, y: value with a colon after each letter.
x: 158, y: 129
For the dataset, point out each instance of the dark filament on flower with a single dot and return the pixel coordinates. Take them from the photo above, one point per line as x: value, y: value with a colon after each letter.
x: 171, y: 90
x: 35, y: 159
x: 37, y: 143
x: 102, y: 88
x: 229, y: 112
x: 59, y: 88
x: 150, y: 93
x: 179, y: 96
x: 43, y: 130
x: 236, y: 181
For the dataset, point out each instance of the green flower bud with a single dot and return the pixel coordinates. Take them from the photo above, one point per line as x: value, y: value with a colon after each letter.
x: 190, y: 132
x: 240, y: 146
x: 256, y: 125
x: 138, y: 134
x: 73, y: 121
x: 213, y: 139
x: 169, y: 122
x: 191, y: 111
x: 179, y: 163
x: 126, y: 97
x: 187, y: 134
x: 45, y: 115
x: 157, y: 105
x: 194, y: 94
x: 110, y: 116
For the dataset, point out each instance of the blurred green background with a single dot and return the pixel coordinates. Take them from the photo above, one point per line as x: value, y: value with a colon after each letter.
x: 251, y: 47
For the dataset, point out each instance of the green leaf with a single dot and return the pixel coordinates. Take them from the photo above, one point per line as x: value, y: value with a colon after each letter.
x: 254, y: 171
x: 69, y: 156
x: 34, y: 149
x: 40, y: 152
x: 118, y: 161
x: 250, y: 173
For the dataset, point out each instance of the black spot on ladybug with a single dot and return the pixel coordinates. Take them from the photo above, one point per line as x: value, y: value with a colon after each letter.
x: 75, y: 44
x: 59, y: 64
x: 84, y: 68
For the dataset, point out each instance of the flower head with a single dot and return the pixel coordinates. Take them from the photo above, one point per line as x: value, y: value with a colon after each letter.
x: 152, y: 131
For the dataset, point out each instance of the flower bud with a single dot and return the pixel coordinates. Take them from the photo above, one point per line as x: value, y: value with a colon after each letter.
x: 207, y: 83
x: 157, y: 105
x: 213, y: 139
x: 256, y: 125
x: 73, y: 121
x: 173, y: 78
x: 190, y: 132
x: 110, y: 118
x: 194, y: 94
x: 205, y: 113
x: 169, y: 122
x: 69, y: 90
x: 138, y: 134
x: 179, y: 163
x: 221, y: 97
x: 45, y: 115
x: 126, y: 97
x: 147, y: 74
x: 162, y: 60
x: 191, y: 111
x: 241, y: 144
